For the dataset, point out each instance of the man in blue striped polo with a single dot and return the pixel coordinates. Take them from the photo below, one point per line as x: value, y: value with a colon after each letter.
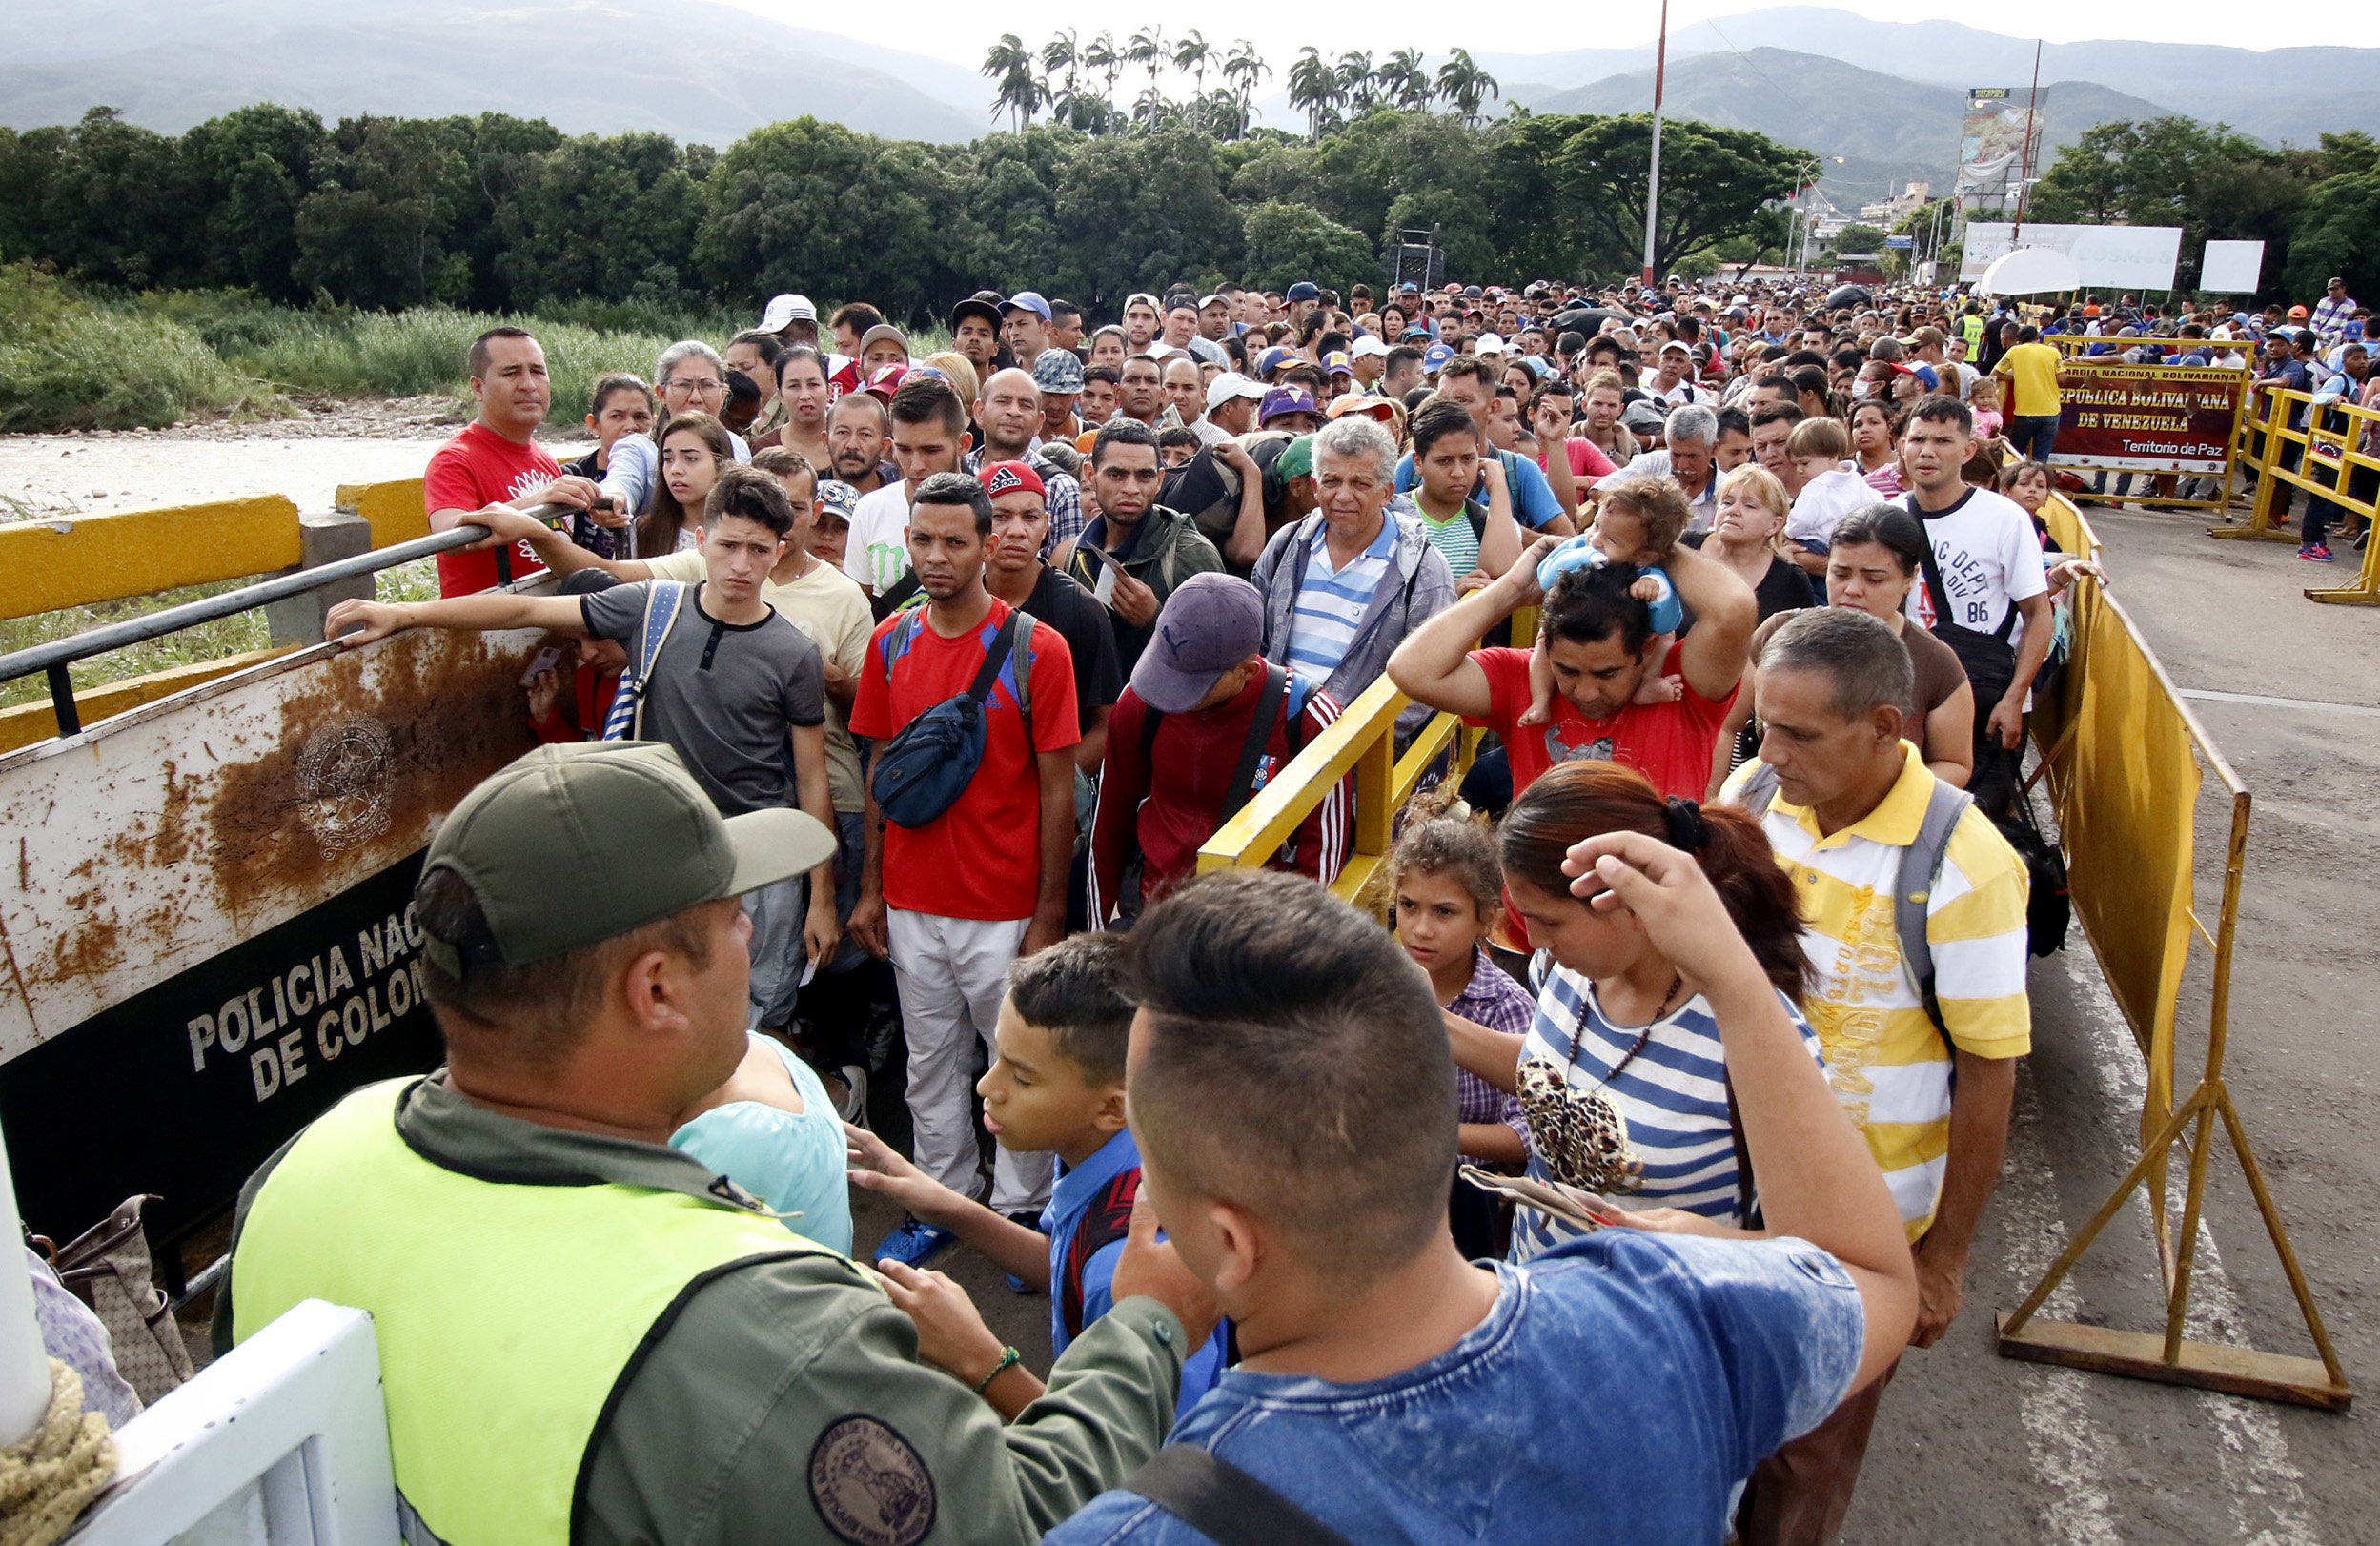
x: 1345, y: 586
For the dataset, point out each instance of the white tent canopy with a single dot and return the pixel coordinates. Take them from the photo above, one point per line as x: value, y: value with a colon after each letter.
x: 2031, y: 270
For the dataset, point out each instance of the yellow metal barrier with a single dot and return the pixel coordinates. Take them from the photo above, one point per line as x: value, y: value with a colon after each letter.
x: 1363, y: 738
x: 2125, y: 761
x: 394, y: 509
x: 46, y: 565
x: 2330, y: 447
x: 30, y: 722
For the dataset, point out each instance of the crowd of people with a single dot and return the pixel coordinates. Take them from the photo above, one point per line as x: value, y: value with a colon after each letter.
x: 888, y: 699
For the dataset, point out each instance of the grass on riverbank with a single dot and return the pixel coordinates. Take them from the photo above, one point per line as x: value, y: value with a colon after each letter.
x: 75, y: 362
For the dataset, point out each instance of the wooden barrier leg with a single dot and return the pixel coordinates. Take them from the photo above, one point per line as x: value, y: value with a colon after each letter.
x: 2365, y: 592
x: 2260, y: 511
x: 2280, y: 1237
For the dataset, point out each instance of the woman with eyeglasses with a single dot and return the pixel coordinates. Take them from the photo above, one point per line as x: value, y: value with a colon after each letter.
x: 689, y: 379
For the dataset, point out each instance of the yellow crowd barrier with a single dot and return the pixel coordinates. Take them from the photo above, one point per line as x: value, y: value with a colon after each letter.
x: 79, y: 560
x: 2323, y: 458
x: 75, y: 561
x: 1363, y: 738
x: 2126, y: 761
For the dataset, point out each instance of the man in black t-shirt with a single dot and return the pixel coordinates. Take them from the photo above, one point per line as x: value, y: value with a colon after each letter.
x: 1014, y: 572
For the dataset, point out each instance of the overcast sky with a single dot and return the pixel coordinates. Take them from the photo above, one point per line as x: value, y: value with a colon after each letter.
x: 960, y: 33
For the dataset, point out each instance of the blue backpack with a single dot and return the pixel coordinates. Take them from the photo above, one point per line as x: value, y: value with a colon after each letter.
x: 920, y: 772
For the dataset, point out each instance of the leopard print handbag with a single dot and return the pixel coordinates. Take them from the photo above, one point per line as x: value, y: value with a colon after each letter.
x: 1579, y: 1134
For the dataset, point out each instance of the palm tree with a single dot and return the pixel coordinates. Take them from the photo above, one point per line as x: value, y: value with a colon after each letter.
x: 1354, y: 75
x: 1220, y: 113
x: 1244, y: 67
x: 1193, y: 54
x: 1010, y: 65
x: 1103, y: 55
x: 1464, y: 86
x: 1150, y: 109
x: 1404, y: 81
x: 1147, y: 49
x: 1315, y: 87
x: 1062, y: 52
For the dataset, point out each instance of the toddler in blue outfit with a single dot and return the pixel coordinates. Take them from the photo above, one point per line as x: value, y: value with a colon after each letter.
x: 1625, y: 532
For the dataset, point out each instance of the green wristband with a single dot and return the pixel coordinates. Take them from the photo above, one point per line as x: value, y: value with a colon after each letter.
x: 1008, y: 1357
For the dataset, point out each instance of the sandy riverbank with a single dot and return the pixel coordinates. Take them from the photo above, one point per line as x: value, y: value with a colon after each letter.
x: 333, y: 441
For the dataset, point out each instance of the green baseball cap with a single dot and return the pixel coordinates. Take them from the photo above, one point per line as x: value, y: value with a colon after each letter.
x: 1297, y: 459
x: 575, y: 844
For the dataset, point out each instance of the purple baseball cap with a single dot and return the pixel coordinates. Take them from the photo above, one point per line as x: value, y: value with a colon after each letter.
x: 1211, y: 624
x: 1286, y: 400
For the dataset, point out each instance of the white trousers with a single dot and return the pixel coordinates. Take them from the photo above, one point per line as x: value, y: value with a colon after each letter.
x: 952, y: 974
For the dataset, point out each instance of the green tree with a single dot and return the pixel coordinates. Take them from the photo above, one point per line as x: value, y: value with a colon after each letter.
x: 2176, y: 172
x: 604, y: 220
x: 251, y: 168
x: 816, y: 207
x: 1289, y: 242
x: 1243, y: 67
x: 1857, y: 238
x: 1141, y: 212
x: 1019, y: 92
x: 1314, y: 88
x: 377, y: 229
x: 118, y: 205
x: 1713, y: 181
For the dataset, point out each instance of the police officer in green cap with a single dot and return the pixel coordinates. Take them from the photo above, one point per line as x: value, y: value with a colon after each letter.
x: 584, y: 1335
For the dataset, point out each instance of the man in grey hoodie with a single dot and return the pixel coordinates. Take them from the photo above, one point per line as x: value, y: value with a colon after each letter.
x: 1344, y: 586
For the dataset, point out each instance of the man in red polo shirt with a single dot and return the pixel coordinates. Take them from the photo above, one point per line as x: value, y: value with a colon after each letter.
x: 1603, y: 649
x: 495, y: 460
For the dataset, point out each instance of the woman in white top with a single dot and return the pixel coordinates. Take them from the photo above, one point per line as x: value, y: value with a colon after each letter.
x: 1619, y: 1033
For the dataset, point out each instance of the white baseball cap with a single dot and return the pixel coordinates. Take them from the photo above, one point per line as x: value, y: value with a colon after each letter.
x: 1489, y: 344
x: 786, y: 308
x: 1232, y: 384
x: 1366, y: 347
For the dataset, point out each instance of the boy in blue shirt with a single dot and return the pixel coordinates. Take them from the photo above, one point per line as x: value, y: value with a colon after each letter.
x: 1057, y: 1087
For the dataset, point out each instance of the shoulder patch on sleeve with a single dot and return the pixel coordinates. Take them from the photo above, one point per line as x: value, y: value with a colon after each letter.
x: 870, y: 1485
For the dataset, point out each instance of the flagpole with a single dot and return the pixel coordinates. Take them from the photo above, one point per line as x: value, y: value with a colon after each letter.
x: 1653, y: 191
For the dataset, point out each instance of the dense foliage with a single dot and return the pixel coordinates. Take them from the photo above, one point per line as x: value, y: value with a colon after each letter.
x: 2317, y: 210
x: 500, y: 214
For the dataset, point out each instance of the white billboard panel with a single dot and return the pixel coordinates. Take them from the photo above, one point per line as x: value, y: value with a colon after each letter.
x: 2232, y: 268
x: 2110, y: 257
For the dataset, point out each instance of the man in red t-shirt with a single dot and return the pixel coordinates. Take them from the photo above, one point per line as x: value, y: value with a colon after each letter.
x: 954, y: 900
x: 1603, y: 649
x: 494, y: 460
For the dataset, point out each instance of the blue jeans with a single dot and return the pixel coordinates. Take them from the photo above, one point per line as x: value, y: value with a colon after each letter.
x: 2032, y: 435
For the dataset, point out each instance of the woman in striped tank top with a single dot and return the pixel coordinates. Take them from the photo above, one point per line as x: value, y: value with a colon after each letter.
x: 1620, y: 1030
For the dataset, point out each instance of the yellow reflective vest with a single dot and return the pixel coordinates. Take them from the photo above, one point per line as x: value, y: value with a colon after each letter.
x: 507, y: 1312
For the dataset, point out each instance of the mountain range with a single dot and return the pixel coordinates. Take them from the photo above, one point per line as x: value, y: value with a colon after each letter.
x: 1884, y: 96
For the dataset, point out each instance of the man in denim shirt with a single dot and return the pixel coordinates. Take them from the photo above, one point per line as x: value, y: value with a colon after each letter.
x: 1291, y: 1087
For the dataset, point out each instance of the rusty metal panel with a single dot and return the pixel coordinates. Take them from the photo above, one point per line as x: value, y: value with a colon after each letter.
x: 169, y: 834
x: 75, y: 560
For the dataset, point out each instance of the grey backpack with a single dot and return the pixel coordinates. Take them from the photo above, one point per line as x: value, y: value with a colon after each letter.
x: 1913, y: 887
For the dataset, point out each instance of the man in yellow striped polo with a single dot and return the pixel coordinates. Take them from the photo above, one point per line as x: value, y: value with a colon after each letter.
x: 1922, y: 1034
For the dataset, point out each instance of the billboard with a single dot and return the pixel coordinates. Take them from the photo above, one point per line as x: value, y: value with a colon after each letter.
x: 2231, y: 267
x: 1993, y: 140
x: 2109, y: 257
x: 2146, y: 418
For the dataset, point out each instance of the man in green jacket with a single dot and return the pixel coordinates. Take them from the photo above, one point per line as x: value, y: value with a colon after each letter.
x: 585, y: 1335
x: 1134, y: 553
